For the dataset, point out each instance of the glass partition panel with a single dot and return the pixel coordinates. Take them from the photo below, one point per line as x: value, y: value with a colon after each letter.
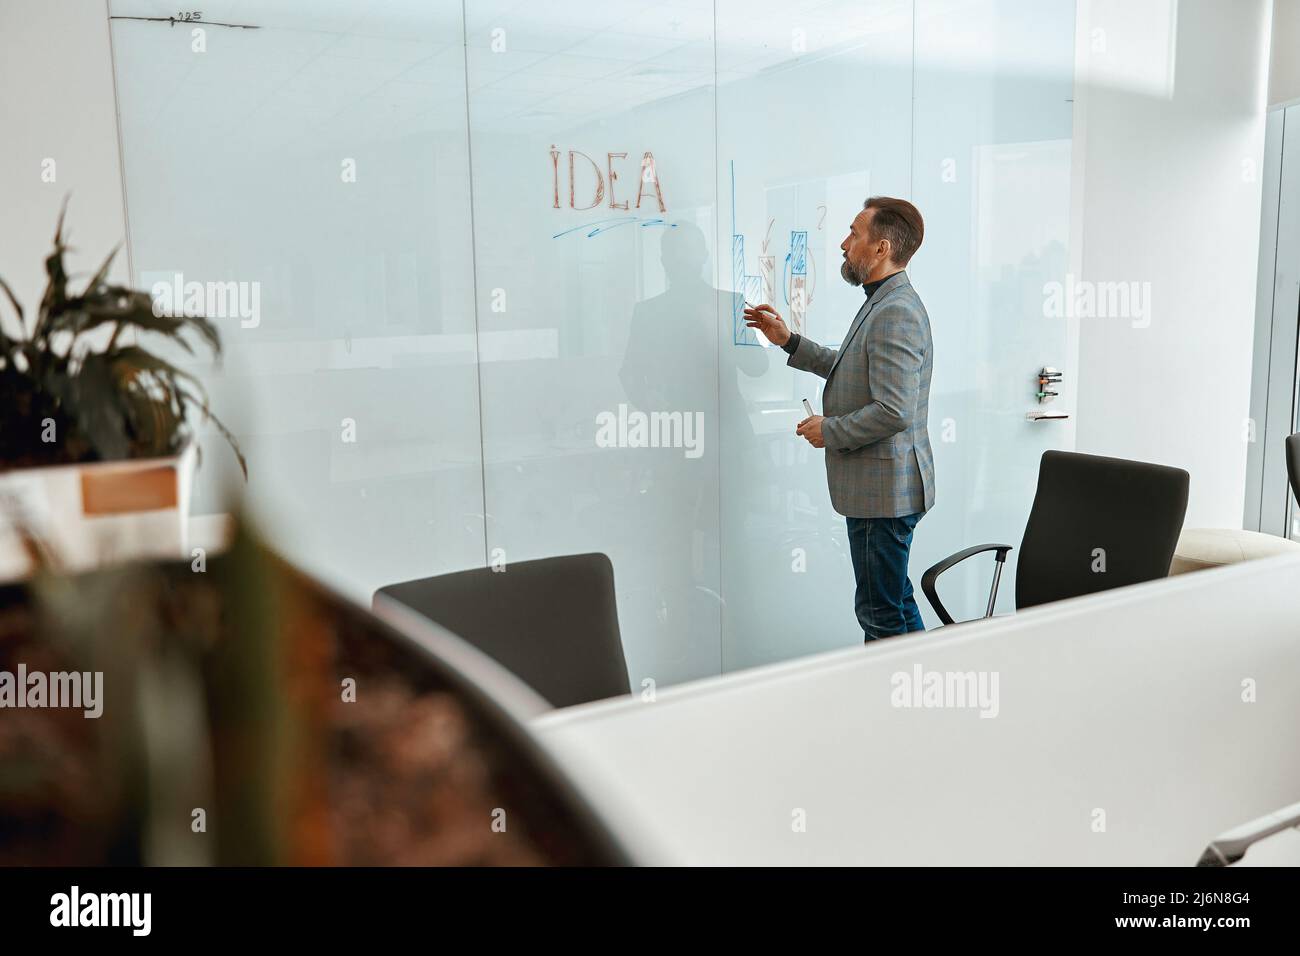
x: 814, y: 116
x: 594, y: 216
x: 303, y: 166
x: 965, y: 108
x: 432, y: 370
x: 991, y: 173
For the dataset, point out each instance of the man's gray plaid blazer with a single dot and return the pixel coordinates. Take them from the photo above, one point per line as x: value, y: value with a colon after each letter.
x: 876, y: 404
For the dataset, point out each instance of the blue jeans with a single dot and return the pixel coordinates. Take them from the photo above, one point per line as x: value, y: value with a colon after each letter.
x: 883, y: 602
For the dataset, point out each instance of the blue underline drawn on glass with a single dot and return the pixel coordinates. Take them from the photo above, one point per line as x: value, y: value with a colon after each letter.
x: 600, y: 225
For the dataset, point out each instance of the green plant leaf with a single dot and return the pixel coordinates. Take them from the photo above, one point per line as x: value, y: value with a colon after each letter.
x: 133, y: 357
x: 95, y: 402
x: 108, y: 403
x: 102, y: 272
x: 117, y: 304
x: 210, y: 416
x: 56, y: 292
x: 5, y: 341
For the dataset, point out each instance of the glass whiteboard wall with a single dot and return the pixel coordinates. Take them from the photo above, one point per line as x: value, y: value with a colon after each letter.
x: 499, y: 247
x: 319, y: 162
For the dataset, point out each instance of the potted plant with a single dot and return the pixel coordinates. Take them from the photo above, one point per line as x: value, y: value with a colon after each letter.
x: 250, y: 716
x: 96, y: 445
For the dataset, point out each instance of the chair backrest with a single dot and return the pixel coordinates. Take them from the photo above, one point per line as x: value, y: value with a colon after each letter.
x: 1293, y: 463
x: 552, y: 622
x: 1098, y: 523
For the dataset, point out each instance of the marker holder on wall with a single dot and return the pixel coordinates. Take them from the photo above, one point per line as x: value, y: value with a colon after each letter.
x: 1048, y: 380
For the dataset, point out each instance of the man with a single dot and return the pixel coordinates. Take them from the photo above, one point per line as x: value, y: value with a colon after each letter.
x: 879, y: 465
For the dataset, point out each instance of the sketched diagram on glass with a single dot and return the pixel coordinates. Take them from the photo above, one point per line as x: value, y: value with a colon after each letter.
x: 797, y: 280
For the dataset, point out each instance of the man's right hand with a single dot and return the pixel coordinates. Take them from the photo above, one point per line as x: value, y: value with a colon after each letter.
x: 766, y: 320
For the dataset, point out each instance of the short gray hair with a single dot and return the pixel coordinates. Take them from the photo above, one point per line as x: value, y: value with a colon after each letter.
x: 898, y: 222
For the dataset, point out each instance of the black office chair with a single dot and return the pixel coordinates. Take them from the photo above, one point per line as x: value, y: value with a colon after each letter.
x: 552, y: 622
x: 1131, y: 510
x: 1293, y: 463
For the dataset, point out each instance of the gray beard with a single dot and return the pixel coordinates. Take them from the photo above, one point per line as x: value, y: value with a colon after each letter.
x: 850, y: 274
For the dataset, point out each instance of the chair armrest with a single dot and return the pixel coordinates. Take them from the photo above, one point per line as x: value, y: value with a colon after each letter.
x: 931, y: 577
x: 1227, y: 848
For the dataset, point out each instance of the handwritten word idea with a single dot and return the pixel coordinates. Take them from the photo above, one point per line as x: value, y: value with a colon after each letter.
x: 604, y: 181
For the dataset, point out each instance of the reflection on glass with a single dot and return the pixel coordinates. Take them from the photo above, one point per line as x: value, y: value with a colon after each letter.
x: 593, y: 181
x: 320, y: 160
x: 501, y: 262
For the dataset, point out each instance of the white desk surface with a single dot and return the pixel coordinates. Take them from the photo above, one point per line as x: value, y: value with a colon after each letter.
x: 1127, y: 704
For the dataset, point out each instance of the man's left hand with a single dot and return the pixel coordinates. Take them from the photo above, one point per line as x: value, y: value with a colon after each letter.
x: 811, y: 429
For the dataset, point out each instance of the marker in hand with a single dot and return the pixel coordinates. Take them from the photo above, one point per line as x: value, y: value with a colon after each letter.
x: 767, y: 322
x: 810, y: 430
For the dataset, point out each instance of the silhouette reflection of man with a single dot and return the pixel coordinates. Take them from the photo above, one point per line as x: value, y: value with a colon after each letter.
x: 671, y: 365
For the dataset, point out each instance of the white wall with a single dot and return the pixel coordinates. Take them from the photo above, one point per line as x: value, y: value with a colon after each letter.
x: 1284, y: 65
x: 57, y: 76
x: 1171, y: 105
